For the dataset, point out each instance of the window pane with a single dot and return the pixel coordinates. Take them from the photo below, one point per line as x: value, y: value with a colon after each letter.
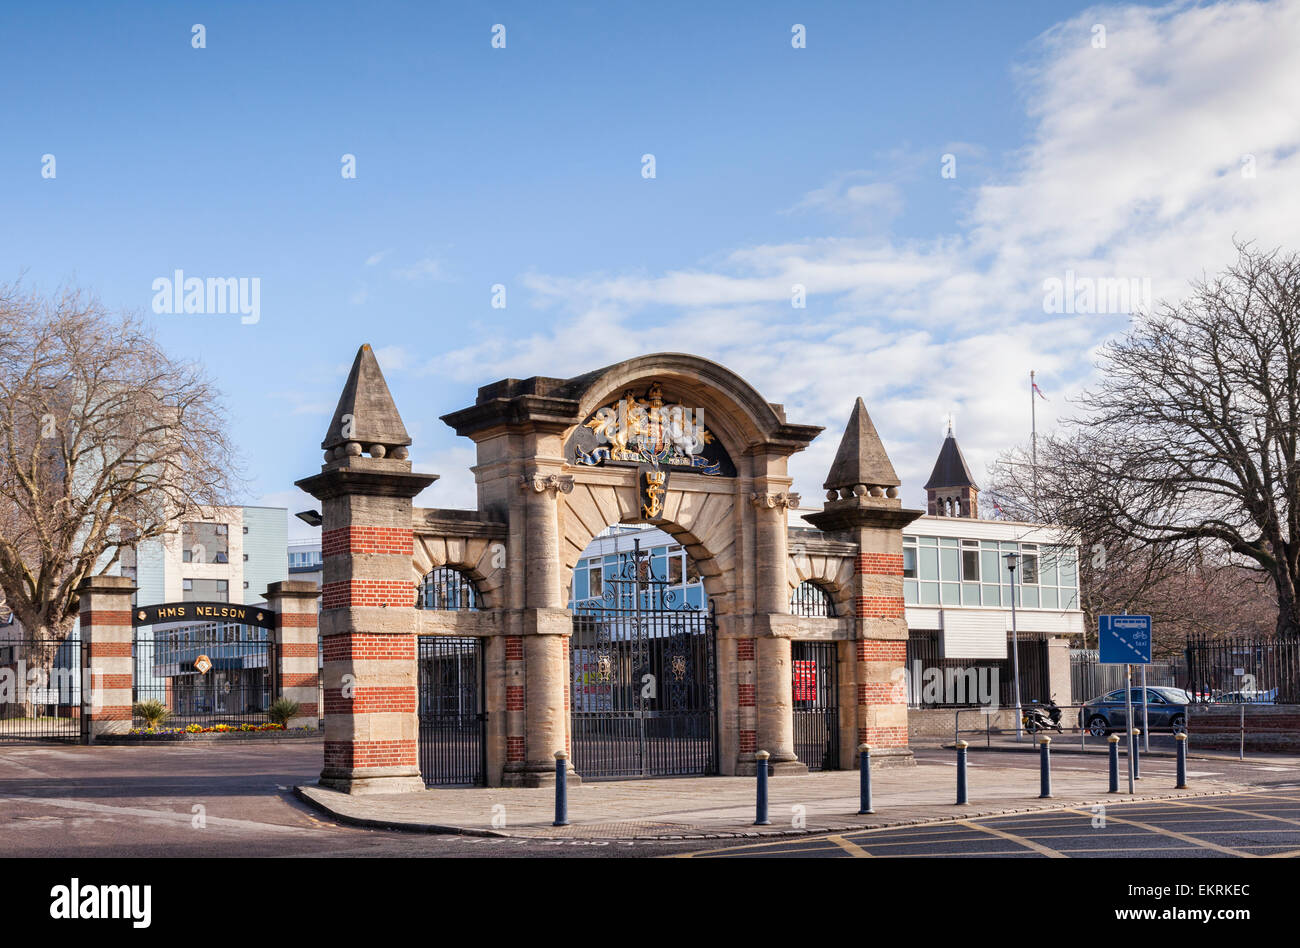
x: 929, y: 594
x: 970, y: 565
x: 949, y: 562
x: 951, y: 594
x: 970, y: 594
x: 1029, y: 570
x: 992, y: 597
x: 909, y: 592
x: 675, y: 569
x: 1029, y: 597
x: 929, y: 562
x: 909, y: 563
x: 1047, y: 563
x: 1051, y: 599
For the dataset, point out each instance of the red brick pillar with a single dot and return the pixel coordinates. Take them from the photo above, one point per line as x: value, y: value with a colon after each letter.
x: 297, y: 674
x: 104, y: 611
x: 745, y: 677
x: 881, y: 649
x: 368, y: 625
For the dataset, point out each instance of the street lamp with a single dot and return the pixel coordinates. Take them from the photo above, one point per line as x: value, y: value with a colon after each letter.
x: 1013, y: 560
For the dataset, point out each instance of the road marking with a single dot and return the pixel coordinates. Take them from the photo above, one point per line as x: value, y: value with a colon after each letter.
x: 853, y: 849
x: 170, y: 816
x: 1228, y: 809
x: 1204, y: 843
x: 1037, y: 847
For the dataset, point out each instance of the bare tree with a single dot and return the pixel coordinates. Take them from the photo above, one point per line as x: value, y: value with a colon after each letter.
x: 1185, y: 455
x: 104, y: 442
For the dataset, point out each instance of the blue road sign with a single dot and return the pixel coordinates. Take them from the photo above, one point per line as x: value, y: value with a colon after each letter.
x: 1125, y: 640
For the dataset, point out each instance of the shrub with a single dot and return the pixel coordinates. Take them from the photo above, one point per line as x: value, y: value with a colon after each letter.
x: 153, y: 711
x: 282, y: 710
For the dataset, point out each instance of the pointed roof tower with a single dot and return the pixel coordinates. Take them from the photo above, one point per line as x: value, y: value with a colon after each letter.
x: 950, y: 470
x: 861, y: 458
x: 366, y: 417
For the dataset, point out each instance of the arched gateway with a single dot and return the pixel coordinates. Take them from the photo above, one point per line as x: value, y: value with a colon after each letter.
x: 671, y: 440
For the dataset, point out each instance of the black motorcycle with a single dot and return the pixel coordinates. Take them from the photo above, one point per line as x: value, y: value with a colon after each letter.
x: 1045, y: 717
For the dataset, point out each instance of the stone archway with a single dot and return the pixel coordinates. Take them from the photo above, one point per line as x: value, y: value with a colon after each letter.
x: 669, y: 439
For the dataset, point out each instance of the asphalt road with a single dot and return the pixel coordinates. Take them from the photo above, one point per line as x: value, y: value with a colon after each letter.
x: 237, y: 801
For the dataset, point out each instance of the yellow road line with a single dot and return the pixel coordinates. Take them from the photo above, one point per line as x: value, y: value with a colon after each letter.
x: 853, y: 849
x: 1195, y: 841
x: 1002, y: 834
x: 1228, y: 809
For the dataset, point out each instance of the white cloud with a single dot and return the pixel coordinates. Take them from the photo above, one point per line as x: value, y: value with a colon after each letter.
x: 1132, y: 169
x: 427, y: 268
x: 375, y: 258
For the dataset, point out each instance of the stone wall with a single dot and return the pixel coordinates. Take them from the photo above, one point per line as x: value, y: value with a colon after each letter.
x: 1269, y: 727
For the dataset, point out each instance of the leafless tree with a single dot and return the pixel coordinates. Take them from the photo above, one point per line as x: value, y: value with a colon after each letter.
x: 105, y: 441
x: 1185, y: 455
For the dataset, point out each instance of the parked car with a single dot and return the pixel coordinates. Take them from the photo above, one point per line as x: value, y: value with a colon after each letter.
x: 1247, y: 697
x: 1166, y: 711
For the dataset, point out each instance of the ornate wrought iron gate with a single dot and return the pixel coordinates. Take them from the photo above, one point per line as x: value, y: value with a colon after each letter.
x: 816, y: 704
x: 452, y: 719
x: 642, y: 665
x: 40, y: 690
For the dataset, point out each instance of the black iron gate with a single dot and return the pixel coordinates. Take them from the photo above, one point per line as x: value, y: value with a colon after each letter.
x: 40, y: 690
x: 219, y: 673
x: 642, y: 665
x: 452, y: 720
x: 816, y: 704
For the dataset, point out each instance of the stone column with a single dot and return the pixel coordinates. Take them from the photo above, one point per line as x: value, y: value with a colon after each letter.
x: 297, y: 672
x: 368, y: 625
x: 774, y: 697
x: 881, y: 641
x: 105, y: 615
x: 547, y: 625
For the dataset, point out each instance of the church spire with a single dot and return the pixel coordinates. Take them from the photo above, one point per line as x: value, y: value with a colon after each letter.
x: 951, y: 490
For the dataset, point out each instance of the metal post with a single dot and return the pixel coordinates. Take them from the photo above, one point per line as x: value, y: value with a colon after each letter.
x: 1146, y: 721
x: 961, y: 772
x: 864, y: 781
x: 1113, y: 740
x: 1241, y: 750
x: 1015, y: 653
x: 760, y: 771
x: 1128, y: 718
x: 561, y: 789
x: 1181, y: 740
x: 1044, y: 767
x: 1137, y: 754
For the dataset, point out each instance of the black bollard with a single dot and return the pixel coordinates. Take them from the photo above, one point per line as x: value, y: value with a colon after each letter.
x: 1044, y: 767
x: 760, y: 771
x: 961, y: 772
x: 561, y: 789
x: 1182, y: 761
x: 864, y: 780
x: 1137, y: 754
x: 1113, y: 740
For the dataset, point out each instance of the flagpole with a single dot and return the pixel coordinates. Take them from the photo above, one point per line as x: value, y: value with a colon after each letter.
x: 1033, y: 436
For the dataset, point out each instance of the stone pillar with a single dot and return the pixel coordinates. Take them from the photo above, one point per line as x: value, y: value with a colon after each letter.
x: 1059, y: 682
x: 368, y: 625
x: 297, y: 673
x: 106, y: 632
x: 547, y: 626
x: 773, y: 693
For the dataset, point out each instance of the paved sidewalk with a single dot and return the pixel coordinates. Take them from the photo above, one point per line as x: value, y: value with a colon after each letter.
x: 723, y: 807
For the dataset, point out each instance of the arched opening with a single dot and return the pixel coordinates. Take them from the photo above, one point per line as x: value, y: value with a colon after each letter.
x: 447, y: 588
x: 642, y: 659
x: 811, y: 599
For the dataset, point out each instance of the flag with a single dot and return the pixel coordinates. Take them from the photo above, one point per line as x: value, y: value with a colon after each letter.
x: 1039, y: 391
x: 998, y: 507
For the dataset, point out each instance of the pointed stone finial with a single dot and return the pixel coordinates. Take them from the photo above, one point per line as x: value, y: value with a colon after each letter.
x: 861, y: 464
x: 366, y: 419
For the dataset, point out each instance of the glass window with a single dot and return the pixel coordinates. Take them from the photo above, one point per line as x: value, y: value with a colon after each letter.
x: 929, y: 562
x: 675, y: 571
x: 205, y: 542
x: 206, y: 590
x: 1050, y: 597
x: 909, y: 562
x: 1029, y: 569
x: 595, y: 582
x: 970, y: 564
x: 1068, y: 568
x: 1047, y: 573
x: 447, y: 588
x: 809, y: 599
x: 970, y: 594
x: 580, y: 584
x: 952, y: 594
x: 910, y: 592
x: 950, y: 564
x: 993, y: 596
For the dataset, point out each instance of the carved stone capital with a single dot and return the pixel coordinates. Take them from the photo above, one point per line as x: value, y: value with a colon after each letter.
x: 767, y: 500
x: 538, y: 482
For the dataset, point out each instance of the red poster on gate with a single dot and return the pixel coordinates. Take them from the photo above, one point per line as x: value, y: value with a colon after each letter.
x: 805, y: 680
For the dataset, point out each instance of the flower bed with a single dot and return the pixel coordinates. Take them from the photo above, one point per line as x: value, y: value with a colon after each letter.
x: 215, y: 729
x: 217, y: 732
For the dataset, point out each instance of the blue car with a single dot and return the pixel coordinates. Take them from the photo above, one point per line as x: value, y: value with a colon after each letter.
x: 1166, y: 711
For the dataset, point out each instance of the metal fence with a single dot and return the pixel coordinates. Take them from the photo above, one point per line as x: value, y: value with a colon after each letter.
x: 1089, y: 678
x: 1241, y: 669
x: 452, y: 720
x: 40, y: 690
x: 816, y: 704
x: 937, y: 682
x: 205, y: 675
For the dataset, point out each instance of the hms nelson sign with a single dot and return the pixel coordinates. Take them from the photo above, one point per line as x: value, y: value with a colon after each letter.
x: 202, y: 612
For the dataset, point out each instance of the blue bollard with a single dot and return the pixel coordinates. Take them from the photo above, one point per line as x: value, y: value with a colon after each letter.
x: 1044, y: 767
x: 1182, y: 761
x: 561, y: 789
x: 760, y: 771
x: 961, y: 772
x: 864, y: 781
x: 1113, y: 740
x: 1137, y: 754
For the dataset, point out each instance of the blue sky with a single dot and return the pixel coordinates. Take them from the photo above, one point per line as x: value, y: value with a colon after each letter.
x: 522, y: 166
